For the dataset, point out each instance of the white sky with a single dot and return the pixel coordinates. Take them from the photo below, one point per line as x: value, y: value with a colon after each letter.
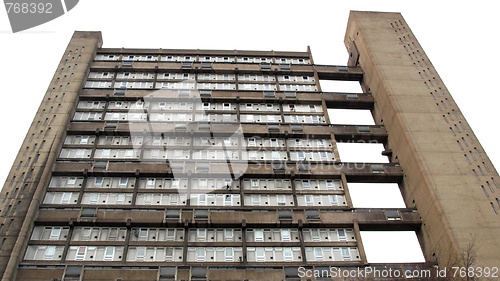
x: 457, y: 38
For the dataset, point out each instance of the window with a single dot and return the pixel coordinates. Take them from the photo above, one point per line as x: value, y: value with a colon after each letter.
x: 260, y: 254
x: 321, y: 143
x: 200, y: 254
x: 228, y: 234
x: 301, y: 155
x: 251, y: 142
x: 228, y: 200
x: 255, y: 199
x: 80, y: 253
x: 86, y: 231
x: 71, y: 181
x: 318, y: 253
x: 148, y: 199
x: 55, y: 233
x: 250, y: 118
x: 258, y: 235
x: 204, y: 154
x: 306, y: 184
x: 120, y: 198
x: 170, y: 234
x: 281, y: 200
x: 123, y: 181
x: 174, y: 197
x: 229, y: 254
x: 176, y: 183
x: 98, y: 181
x: 346, y: 254
x: 287, y: 254
x: 113, y: 234
x: 205, y: 105
x: 285, y: 235
x: 49, y: 253
x: 298, y: 142
x: 330, y: 185
x: 94, y: 198
x: 315, y: 235
x: 150, y: 183
x: 84, y: 140
x: 109, y: 253
x: 279, y: 184
x: 341, y: 234
x: 143, y: 234
x: 202, y: 183
x: 202, y: 199
x: 309, y: 200
x: 274, y: 142
x: 226, y: 106
x: 169, y: 253
x: 323, y: 155
x: 333, y: 200
x: 140, y: 253
x: 254, y: 183
x: 66, y: 197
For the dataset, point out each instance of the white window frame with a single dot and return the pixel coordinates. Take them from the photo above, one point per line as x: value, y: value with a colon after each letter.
x: 255, y: 199
x: 226, y: 201
x: 201, y: 254
x: 260, y: 254
x: 287, y: 254
x: 228, y: 234
x: 109, y: 253
x: 318, y: 254
x: 81, y: 253
x: 229, y: 254
x: 258, y: 235
x: 49, y: 253
x: 306, y: 184
x: 286, y: 235
x: 341, y: 234
x: 170, y: 234
x: 55, y: 233
x: 315, y: 234
x: 252, y: 142
x: 254, y: 183
x: 150, y: 183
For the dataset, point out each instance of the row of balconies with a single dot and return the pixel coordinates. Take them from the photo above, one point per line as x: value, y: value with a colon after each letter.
x: 356, y: 171
x: 324, y: 71
x: 341, y: 132
x: 368, y: 219
x: 334, y: 100
x: 199, y: 272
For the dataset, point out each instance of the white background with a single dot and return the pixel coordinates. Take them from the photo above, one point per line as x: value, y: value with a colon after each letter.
x: 458, y: 36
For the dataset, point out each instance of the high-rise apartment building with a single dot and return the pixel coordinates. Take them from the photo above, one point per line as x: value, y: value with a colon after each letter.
x: 160, y: 164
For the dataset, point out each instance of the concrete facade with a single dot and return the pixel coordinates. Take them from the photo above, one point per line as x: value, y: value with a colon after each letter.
x: 448, y: 176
